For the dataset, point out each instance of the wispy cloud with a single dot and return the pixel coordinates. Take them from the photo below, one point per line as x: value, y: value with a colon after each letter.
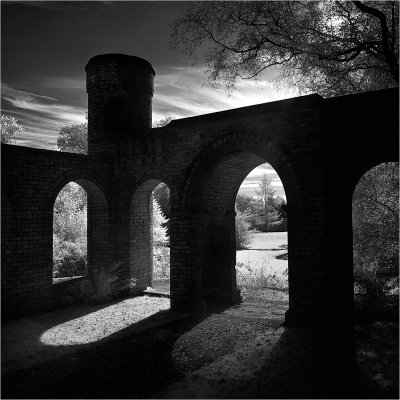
x: 41, y: 115
x: 179, y: 92
x: 250, y: 183
x: 184, y: 92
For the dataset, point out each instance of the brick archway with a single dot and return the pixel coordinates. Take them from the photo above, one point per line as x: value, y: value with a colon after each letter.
x: 213, y: 183
x: 319, y: 147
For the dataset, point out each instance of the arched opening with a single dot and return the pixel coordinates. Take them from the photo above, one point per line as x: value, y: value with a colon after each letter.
x: 376, y: 240
x: 261, y: 238
x: 81, y: 222
x: 70, y: 233
x: 149, y: 227
x: 213, y: 238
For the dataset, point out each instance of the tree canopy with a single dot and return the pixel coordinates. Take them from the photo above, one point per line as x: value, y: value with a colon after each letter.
x: 376, y: 231
x: 9, y: 128
x: 163, y: 121
x: 73, y: 138
x: 329, y: 47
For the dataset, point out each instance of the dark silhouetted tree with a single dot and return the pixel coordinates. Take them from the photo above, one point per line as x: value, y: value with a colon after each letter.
x: 329, y: 47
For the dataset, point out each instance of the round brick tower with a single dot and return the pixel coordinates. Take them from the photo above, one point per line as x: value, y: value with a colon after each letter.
x: 120, y: 93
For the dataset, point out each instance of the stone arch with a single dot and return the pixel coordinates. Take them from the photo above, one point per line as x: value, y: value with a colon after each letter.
x: 98, y: 218
x: 209, y: 196
x: 359, y: 169
x: 140, y: 230
x: 265, y: 149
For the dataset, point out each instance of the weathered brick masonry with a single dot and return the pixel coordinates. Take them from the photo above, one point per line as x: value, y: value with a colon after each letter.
x: 320, y: 149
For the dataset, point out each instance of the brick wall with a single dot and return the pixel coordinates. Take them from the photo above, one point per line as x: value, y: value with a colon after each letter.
x: 320, y: 148
x: 31, y: 181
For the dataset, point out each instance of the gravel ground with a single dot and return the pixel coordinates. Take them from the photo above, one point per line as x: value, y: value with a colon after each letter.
x: 30, y: 341
x: 236, y: 352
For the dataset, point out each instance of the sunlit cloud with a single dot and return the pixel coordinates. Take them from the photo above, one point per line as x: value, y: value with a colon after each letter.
x: 184, y: 92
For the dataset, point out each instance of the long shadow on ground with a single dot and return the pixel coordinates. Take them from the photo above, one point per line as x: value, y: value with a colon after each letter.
x: 128, y: 365
x: 220, y: 355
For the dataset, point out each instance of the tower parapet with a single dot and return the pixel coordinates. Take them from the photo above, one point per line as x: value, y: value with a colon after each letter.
x: 120, y: 93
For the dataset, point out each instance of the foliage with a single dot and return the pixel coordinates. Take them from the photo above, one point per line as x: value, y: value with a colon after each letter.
x: 73, y: 138
x: 277, y: 223
x: 9, y: 128
x: 161, y: 256
x: 161, y: 262
x: 265, y: 190
x: 108, y: 284
x: 376, y: 233
x: 266, y: 194
x: 160, y: 237
x: 163, y: 122
x: 260, y: 277
x: 256, y: 216
x: 69, y: 232
x: 104, y: 286
x: 244, y: 202
x: 329, y: 47
x: 244, y: 237
x: 69, y: 257
x: 162, y: 194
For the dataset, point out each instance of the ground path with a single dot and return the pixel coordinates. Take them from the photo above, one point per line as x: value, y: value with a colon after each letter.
x: 236, y: 352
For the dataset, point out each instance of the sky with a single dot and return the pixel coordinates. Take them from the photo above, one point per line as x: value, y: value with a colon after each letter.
x: 45, y: 46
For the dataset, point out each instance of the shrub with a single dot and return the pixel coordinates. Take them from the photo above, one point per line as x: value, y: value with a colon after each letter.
x: 105, y: 286
x: 263, y: 277
x: 69, y: 232
x: 161, y: 262
x: 279, y: 225
x: 69, y: 258
x: 244, y: 237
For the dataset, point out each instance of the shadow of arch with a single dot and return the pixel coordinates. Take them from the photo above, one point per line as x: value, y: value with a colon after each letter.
x: 209, y: 195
